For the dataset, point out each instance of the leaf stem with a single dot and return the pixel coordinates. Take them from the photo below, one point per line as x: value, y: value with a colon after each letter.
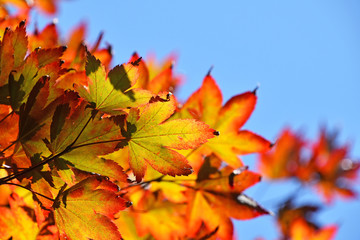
x: 15, y: 175
x: 18, y: 185
x: 6, y: 116
x: 177, y: 182
x: 2, y: 151
x: 50, y: 158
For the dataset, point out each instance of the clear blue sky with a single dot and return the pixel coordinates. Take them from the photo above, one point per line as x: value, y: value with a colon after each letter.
x: 305, y: 54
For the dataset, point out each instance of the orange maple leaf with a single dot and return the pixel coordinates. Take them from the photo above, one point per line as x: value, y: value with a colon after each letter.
x: 328, y: 167
x: 206, y: 105
x: 86, y: 210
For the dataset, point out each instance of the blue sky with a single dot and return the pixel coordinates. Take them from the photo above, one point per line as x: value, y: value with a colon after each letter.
x: 304, y: 54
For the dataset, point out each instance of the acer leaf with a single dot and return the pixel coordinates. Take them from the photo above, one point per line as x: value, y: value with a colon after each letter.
x: 328, y: 160
x: 47, y: 38
x: 278, y: 163
x: 297, y: 223
x: 126, y: 225
x: 300, y: 229
x: 200, y: 211
x: 157, y: 215
x: 49, y: 55
x: 151, y: 138
x: 337, y: 169
x: 157, y: 78
x: 48, y: 6
x: 162, y: 81
x: 8, y: 130
x: 112, y: 94
x: 29, y: 122
x: 143, y: 79
x: 205, y: 105
x: 77, y: 132
x: 12, y: 51
x: 218, y: 196
x: 15, y: 223
x: 38, y: 64
x: 86, y: 211
x: 161, y: 75
x: 151, y: 210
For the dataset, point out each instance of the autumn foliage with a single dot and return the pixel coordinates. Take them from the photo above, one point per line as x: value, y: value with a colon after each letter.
x: 94, y: 152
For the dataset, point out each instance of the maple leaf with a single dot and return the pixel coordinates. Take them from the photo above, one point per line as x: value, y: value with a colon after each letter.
x: 334, y: 165
x: 43, y: 62
x: 300, y: 229
x: 15, y: 222
x: 283, y: 160
x: 47, y: 6
x: 19, y: 76
x: 112, y: 94
x: 218, y: 196
x: 126, y: 225
x: 86, y: 210
x: 157, y: 78
x: 76, y: 54
x: 47, y: 38
x: 12, y: 51
x: 297, y: 223
x: 328, y: 166
x: 8, y: 130
x: 150, y: 138
x: 206, y: 105
x: 76, y: 131
x: 151, y: 210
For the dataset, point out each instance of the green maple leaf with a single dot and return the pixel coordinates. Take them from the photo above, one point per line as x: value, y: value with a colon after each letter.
x: 150, y: 138
x: 112, y: 93
x: 82, y: 137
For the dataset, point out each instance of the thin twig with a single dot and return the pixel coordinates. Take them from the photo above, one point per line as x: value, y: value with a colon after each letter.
x: 18, y: 185
x: 6, y: 116
x: 66, y: 150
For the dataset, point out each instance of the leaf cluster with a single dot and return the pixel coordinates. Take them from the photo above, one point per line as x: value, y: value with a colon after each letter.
x: 90, y: 151
x: 105, y: 153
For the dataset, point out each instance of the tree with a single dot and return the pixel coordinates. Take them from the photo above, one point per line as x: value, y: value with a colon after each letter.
x: 90, y: 152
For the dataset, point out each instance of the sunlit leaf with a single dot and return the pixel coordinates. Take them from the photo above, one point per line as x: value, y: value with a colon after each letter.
x: 90, y: 207
x: 112, y: 94
x: 206, y: 105
x: 151, y: 140
x: 15, y: 222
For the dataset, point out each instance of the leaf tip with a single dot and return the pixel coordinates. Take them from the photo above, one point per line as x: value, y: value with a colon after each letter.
x: 136, y: 62
x: 209, y: 71
x: 128, y: 204
x: 168, y: 96
x: 109, y: 49
x: 22, y: 23
x: 255, y: 90
x: 63, y: 48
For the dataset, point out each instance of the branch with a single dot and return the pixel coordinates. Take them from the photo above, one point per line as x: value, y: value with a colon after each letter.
x: 66, y: 150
